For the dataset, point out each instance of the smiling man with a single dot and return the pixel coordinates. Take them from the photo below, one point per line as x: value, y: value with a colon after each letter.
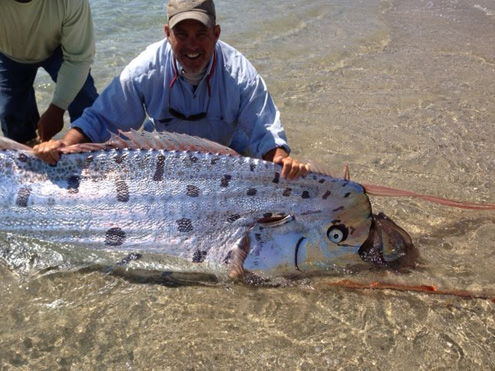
x: 192, y: 83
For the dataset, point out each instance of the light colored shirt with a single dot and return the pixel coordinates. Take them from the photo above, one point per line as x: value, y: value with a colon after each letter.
x: 232, y: 93
x: 30, y: 33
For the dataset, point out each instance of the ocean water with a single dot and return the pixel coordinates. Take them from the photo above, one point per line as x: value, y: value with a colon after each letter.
x: 402, y: 91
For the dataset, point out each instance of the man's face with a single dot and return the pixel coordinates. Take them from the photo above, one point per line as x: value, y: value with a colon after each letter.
x: 192, y: 43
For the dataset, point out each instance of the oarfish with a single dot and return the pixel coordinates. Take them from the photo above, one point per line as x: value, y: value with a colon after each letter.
x: 193, y: 199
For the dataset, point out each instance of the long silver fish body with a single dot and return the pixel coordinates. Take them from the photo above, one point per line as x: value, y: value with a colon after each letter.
x: 206, y: 205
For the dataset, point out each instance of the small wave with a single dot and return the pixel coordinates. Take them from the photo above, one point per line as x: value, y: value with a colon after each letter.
x: 485, y: 10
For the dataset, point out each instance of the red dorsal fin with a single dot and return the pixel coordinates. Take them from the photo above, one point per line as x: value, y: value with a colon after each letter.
x: 6, y: 143
x: 386, y: 191
x: 155, y: 140
x: 325, y: 170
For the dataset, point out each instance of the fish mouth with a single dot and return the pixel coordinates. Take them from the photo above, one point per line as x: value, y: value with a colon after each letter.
x: 388, y: 245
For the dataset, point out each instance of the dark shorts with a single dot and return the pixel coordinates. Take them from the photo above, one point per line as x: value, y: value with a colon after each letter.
x: 19, y: 113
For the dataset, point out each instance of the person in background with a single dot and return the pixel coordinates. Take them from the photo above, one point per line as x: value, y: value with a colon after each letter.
x: 56, y: 35
x: 192, y: 83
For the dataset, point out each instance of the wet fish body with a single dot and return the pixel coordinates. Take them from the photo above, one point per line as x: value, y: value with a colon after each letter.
x: 212, y: 209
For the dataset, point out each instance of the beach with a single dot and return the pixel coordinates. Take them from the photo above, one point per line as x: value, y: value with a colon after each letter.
x: 400, y: 91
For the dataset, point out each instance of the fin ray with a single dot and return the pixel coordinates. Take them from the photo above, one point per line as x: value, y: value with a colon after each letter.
x: 152, y: 140
x: 375, y: 190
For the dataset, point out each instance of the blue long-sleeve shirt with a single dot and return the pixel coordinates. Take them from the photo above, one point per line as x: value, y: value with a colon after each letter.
x: 232, y: 93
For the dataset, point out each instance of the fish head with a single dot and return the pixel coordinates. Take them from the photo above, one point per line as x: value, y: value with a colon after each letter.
x: 316, y: 241
x: 313, y: 244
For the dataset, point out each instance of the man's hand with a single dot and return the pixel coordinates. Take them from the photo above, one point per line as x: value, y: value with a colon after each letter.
x: 50, y: 123
x: 49, y: 151
x: 291, y: 168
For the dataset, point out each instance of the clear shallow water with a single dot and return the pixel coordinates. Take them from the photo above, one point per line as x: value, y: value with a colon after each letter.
x: 401, y: 91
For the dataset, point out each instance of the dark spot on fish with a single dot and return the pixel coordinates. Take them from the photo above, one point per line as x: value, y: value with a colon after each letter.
x: 252, y: 192
x: 347, y: 194
x: 276, y: 180
x: 88, y: 161
x: 193, y: 159
x: 345, y: 184
x: 268, y: 215
x: 257, y: 237
x: 159, y: 171
x: 311, y: 212
x: 252, y: 166
x: 192, y: 191
x: 129, y: 258
x: 185, y: 225
x: 199, y: 256
x: 122, y: 191
x: 287, y: 192
x: 305, y: 194
x: 228, y: 257
x: 233, y: 218
x: 119, y: 158
x: 225, y: 181
x: 79, y: 163
x: 214, y: 160
x: 73, y: 183
x: 321, y: 181
x: 115, y: 237
x: 326, y: 195
x: 339, y: 209
x: 23, y: 197
x: 22, y: 157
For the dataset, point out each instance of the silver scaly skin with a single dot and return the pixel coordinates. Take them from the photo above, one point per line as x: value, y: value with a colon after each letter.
x: 206, y: 205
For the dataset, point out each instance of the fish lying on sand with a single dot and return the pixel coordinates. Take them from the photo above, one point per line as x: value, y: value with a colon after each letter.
x: 197, y: 200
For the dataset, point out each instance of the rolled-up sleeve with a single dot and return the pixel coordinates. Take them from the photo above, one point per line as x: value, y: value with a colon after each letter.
x: 260, y: 119
x: 119, y: 107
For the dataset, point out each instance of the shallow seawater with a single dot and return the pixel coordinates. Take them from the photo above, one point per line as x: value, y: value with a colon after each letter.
x: 402, y: 91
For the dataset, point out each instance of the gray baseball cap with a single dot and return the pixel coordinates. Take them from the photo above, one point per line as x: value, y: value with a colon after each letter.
x: 200, y: 10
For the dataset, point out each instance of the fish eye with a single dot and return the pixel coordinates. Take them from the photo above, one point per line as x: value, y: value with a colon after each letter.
x: 337, y: 233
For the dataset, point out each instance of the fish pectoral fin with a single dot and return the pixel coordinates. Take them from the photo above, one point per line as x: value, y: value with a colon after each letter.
x: 237, y: 257
x: 274, y: 221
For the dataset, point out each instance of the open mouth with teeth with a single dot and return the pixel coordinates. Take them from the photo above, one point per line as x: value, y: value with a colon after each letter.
x: 193, y: 55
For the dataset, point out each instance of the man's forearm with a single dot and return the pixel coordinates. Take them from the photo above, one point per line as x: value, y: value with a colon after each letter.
x: 274, y: 153
x: 75, y: 136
